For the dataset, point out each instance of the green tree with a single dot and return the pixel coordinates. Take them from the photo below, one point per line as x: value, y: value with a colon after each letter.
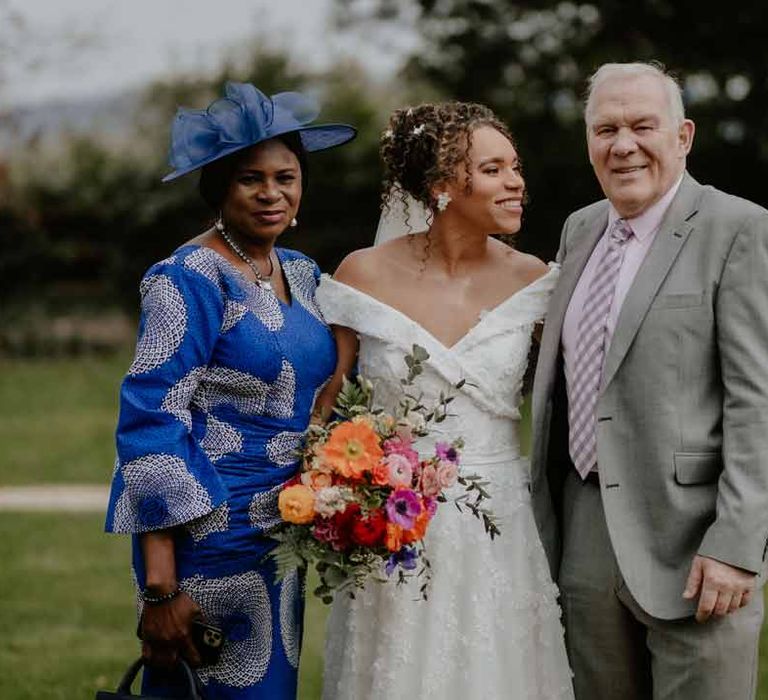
x: 89, y: 218
x: 529, y: 61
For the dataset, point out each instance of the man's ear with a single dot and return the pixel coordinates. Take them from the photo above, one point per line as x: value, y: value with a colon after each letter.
x: 685, y: 135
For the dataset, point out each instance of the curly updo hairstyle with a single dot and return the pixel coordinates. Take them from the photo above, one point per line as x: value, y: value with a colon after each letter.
x: 425, y: 145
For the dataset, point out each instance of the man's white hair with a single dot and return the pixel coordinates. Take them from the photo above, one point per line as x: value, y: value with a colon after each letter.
x: 611, y: 71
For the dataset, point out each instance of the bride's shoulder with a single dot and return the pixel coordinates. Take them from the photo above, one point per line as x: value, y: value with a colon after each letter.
x: 523, y: 267
x: 367, y: 268
x: 352, y: 297
x: 356, y: 267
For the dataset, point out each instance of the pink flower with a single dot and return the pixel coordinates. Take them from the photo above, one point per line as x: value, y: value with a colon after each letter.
x: 446, y: 452
x: 403, y: 507
x: 447, y: 472
x: 397, y: 445
x: 400, y: 470
x: 430, y: 505
x: 430, y: 484
x: 325, y: 530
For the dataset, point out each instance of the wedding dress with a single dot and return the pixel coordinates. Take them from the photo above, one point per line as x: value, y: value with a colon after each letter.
x: 490, y: 628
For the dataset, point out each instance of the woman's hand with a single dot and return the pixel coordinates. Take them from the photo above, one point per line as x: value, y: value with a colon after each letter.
x: 165, y: 626
x: 166, y: 632
x: 323, y: 407
x: 346, y: 353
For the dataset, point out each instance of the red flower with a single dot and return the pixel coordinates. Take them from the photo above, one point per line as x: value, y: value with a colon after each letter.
x: 370, y: 531
x: 343, y: 523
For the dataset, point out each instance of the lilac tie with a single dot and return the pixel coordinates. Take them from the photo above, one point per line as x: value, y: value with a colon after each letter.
x: 590, y: 352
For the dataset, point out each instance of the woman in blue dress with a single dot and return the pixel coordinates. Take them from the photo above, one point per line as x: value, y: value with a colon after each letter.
x: 232, y: 352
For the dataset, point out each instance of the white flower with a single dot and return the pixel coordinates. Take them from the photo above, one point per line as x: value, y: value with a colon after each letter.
x: 419, y: 130
x: 384, y: 423
x: 332, y: 499
x: 411, y: 424
x: 416, y: 421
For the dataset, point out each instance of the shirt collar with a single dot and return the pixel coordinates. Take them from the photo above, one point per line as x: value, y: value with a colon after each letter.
x: 650, y: 220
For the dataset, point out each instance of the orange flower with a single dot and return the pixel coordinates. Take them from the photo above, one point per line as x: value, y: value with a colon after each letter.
x: 316, y: 479
x: 352, y: 449
x: 418, y: 530
x: 393, y: 540
x: 297, y: 504
x: 381, y: 474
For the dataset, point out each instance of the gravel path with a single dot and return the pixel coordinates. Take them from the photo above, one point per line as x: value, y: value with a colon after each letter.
x: 78, y: 498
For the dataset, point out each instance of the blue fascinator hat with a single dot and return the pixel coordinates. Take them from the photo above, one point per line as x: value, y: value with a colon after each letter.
x: 245, y: 117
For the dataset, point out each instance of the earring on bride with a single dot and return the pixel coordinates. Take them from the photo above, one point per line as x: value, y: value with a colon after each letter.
x: 443, y: 200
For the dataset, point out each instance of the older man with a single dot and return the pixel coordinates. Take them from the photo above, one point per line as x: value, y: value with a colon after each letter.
x: 650, y: 456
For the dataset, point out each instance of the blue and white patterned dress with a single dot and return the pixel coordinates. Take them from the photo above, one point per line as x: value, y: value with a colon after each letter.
x: 211, y: 412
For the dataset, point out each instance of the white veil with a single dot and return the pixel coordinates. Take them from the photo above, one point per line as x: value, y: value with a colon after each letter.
x: 395, y: 221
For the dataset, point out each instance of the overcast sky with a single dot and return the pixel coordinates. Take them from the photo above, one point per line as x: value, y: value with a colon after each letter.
x: 78, y: 48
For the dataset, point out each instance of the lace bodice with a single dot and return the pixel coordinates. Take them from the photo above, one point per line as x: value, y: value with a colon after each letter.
x: 491, y: 357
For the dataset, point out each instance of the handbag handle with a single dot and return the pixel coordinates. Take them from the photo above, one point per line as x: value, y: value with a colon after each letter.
x: 136, y: 666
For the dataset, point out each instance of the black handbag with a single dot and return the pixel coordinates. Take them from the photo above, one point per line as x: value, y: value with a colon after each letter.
x: 123, y: 691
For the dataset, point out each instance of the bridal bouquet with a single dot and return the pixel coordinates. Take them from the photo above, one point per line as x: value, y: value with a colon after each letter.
x: 365, y: 497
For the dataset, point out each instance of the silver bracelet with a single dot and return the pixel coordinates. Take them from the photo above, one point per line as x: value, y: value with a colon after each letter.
x: 151, y: 599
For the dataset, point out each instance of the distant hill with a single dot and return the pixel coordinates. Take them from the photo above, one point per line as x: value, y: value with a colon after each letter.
x: 109, y: 116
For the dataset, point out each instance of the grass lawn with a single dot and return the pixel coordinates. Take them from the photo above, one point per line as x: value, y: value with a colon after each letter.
x: 66, y: 600
x: 68, y: 614
x: 57, y: 419
x: 67, y: 606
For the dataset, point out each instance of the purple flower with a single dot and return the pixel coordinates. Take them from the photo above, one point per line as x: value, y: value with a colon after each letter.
x: 403, y: 507
x: 446, y: 452
x: 406, y: 558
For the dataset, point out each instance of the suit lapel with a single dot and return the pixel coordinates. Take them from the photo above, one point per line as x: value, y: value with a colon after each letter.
x: 673, y: 232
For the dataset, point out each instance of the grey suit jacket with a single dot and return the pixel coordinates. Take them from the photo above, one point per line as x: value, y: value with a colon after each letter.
x: 682, y: 431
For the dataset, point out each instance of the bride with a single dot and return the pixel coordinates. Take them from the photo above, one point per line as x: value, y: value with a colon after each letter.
x: 491, y: 626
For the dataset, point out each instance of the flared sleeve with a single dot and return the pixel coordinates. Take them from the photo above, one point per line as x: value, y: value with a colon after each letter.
x: 162, y: 476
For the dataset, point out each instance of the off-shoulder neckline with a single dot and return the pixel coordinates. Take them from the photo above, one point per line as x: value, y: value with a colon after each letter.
x: 483, y: 316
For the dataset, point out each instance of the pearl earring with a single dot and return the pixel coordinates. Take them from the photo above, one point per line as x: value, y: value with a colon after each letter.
x: 294, y: 223
x: 219, y: 225
x: 443, y: 200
